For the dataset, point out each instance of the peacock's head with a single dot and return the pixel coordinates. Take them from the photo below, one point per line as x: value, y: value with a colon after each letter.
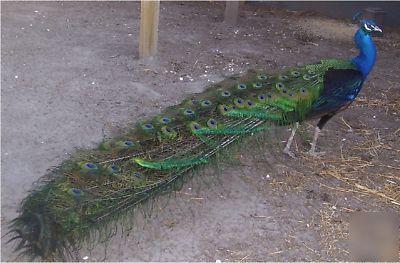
x: 369, y: 26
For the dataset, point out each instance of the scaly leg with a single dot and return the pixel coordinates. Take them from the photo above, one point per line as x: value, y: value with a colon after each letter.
x: 312, y: 151
x: 290, y: 140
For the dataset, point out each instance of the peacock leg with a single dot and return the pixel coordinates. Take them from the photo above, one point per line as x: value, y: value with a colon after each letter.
x: 324, y: 119
x: 290, y: 140
x: 312, y: 151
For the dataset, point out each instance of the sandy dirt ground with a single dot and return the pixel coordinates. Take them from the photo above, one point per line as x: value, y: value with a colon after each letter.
x: 71, y: 76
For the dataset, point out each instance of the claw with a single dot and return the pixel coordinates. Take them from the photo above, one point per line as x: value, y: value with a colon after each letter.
x: 288, y: 152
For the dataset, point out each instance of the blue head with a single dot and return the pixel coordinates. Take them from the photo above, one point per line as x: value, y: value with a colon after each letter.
x: 366, y: 59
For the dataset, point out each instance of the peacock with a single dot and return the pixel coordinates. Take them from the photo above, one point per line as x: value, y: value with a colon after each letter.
x: 100, y: 186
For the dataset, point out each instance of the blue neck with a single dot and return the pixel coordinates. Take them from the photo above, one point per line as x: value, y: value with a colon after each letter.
x: 366, y: 59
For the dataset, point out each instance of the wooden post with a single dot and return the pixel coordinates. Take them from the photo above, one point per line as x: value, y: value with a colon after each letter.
x: 231, y: 12
x: 149, y: 15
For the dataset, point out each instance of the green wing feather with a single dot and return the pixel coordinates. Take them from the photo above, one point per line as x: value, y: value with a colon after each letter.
x: 102, y: 185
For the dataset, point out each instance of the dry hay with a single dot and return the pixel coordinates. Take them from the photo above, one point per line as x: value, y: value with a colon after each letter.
x: 364, y: 168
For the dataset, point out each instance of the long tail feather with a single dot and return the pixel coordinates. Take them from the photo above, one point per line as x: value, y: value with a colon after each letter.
x: 101, y: 185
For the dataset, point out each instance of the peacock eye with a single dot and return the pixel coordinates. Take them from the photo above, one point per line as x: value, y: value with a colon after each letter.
x: 212, y: 123
x: 257, y: 85
x: 114, y: 169
x: 238, y: 102
x: 225, y: 93
x: 165, y: 120
x: 168, y: 132
x: 90, y: 166
x: 283, y: 77
x: 188, y: 112
x: 195, y: 126
x: 223, y: 108
x: 296, y: 74
x: 206, y: 103
x: 280, y: 85
x: 128, y: 143
x: 262, y: 77
x: 242, y: 86
x: 75, y: 192
x: 148, y: 126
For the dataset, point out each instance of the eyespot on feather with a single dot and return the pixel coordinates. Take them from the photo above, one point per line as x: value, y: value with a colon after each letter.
x: 75, y: 192
x: 168, y: 132
x: 188, y: 112
x: 261, y: 98
x: 194, y: 126
x: 241, y: 86
x: 283, y: 77
x: 257, y: 85
x: 249, y: 104
x: 113, y: 169
x: 280, y: 85
x: 262, y: 77
x: 206, y: 103
x: 125, y: 144
x: 212, y: 123
x: 238, y: 102
x: 147, y: 127
x: 88, y: 168
x: 223, y: 109
x: 164, y: 120
x: 225, y: 94
x: 295, y: 73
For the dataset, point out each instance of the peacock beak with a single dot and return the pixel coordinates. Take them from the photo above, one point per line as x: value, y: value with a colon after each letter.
x: 377, y: 29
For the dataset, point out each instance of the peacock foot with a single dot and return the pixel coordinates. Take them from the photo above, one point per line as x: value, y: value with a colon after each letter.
x: 289, y: 152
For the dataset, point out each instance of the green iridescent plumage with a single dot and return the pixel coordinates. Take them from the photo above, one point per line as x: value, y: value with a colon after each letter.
x: 100, y: 186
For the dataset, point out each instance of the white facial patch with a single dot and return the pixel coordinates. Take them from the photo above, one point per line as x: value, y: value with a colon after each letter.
x: 367, y: 28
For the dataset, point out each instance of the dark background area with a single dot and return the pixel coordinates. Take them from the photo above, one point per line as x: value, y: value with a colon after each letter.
x: 341, y: 9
